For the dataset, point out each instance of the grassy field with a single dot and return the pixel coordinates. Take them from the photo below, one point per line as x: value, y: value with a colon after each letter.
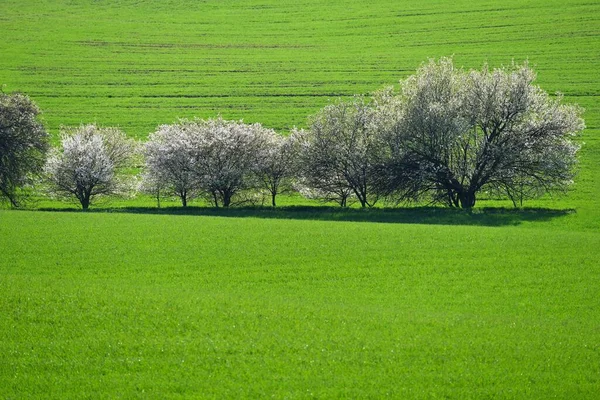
x: 302, y: 301
x: 138, y: 64
x: 153, y: 306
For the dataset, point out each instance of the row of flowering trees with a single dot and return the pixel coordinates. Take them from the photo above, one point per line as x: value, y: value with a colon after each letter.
x: 222, y: 161
x: 446, y: 136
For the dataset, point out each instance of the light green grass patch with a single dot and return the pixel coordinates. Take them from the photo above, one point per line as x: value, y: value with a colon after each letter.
x: 166, y: 305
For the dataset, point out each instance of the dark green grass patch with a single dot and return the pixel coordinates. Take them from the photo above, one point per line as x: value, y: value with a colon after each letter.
x: 155, y: 306
x: 409, y: 215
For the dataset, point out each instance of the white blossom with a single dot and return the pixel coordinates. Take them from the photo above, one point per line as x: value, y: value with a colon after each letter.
x: 342, y: 151
x: 214, y: 157
x: 459, y: 133
x: 88, y: 163
x: 276, y: 163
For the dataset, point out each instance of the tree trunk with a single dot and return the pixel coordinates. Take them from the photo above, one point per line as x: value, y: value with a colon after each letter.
x: 226, y: 199
x: 273, y: 194
x: 85, y: 202
x: 453, y: 198
x: 13, y: 202
x: 11, y: 196
x: 467, y: 199
x: 362, y: 198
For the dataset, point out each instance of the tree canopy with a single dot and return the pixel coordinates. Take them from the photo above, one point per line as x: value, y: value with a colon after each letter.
x: 89, y: 162
x: 458, y: 133
x: 447, y: 136
x: 23, y: 145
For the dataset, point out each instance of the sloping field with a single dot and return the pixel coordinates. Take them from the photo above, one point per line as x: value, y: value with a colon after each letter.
x: 141, y: 63
x: 293, y: 303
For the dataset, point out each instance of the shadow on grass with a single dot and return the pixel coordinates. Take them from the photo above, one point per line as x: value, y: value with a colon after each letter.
x: 410, y: 215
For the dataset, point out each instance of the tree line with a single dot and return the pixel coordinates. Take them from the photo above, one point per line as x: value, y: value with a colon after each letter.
x: 445, y: 136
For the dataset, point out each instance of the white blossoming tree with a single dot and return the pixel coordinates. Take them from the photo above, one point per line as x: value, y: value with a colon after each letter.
x: 342, y: 152
x: 229, y: 152
x: 276, y: 163
x: 215, y: 158
x: 89, y: 162
x: 171, y: 162
x: 458, y: 133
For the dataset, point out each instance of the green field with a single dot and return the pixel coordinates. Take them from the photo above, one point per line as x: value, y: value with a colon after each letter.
x: 302, y: 301
x: 154, y: 306
x: 138, y: 64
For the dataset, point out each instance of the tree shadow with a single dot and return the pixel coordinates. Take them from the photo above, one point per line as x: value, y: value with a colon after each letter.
x: 410, y: 215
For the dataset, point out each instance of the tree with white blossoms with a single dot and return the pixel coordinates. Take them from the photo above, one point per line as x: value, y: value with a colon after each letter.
x: 276, y: 163
x: 325, y: 188
x: 228, y: 152
x: 214, y: 157
x: 332, y: 189
x: 342, y: 152
x: 89, y: 162
x: 458, y: 133
x: 171, y: 162
x: 23, y: 146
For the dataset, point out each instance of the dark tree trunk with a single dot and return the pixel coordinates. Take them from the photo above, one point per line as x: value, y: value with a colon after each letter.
x: 467, y: 199
x: 85, y: 202
x: 362, y: 197
x: 85, y: 196
x: 455, y: 199
x: 13, y: 201
x: 450, y: 197
x: 273, y: 188
x: 226, y: 199
x: 184, y: 200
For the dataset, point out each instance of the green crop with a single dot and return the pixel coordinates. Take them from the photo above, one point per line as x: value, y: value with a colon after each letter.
x: 154, y: 306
